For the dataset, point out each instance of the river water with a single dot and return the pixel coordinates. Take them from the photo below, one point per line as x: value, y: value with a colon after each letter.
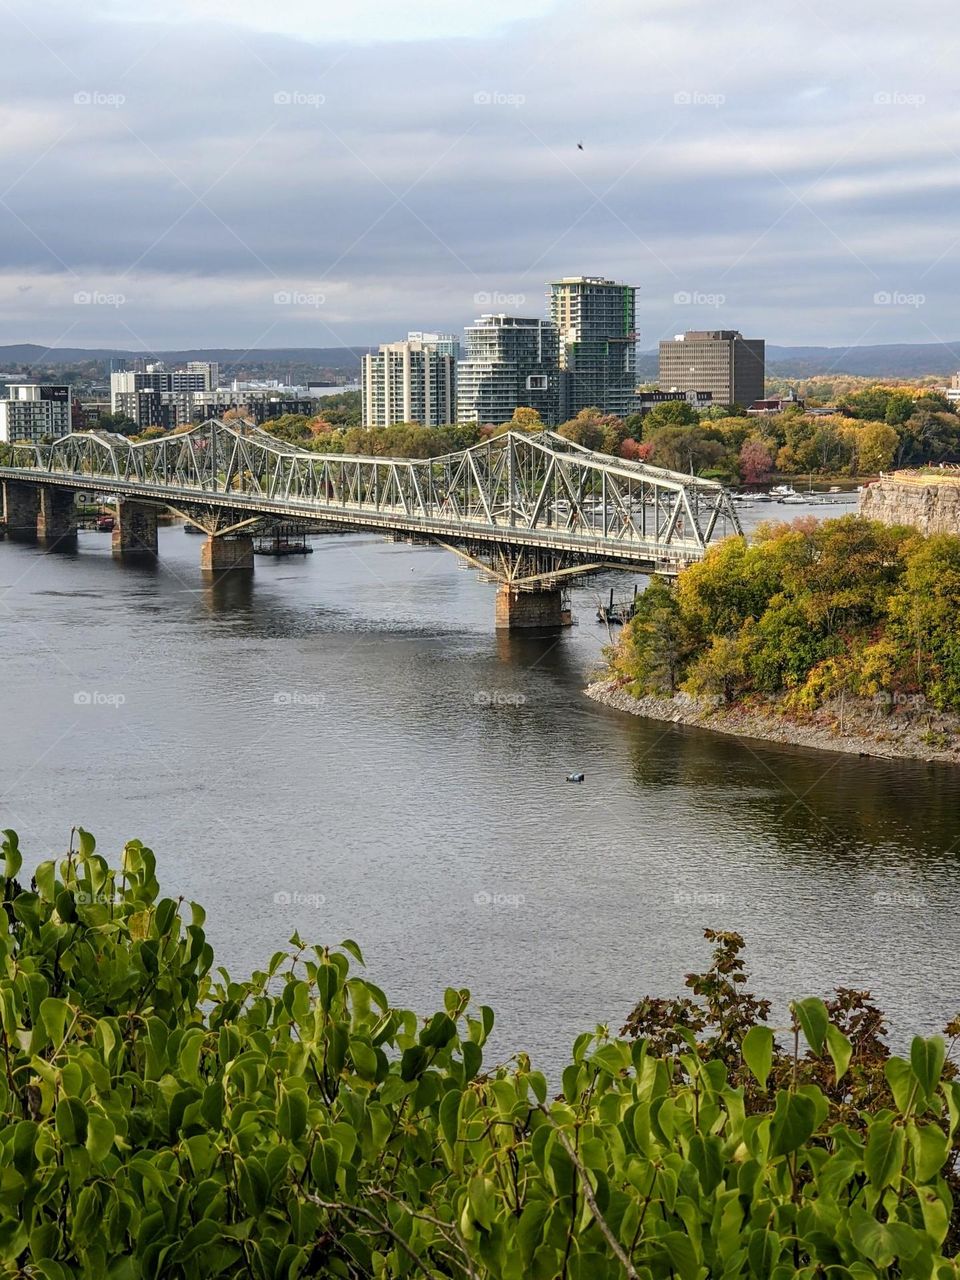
x: 344, y: 746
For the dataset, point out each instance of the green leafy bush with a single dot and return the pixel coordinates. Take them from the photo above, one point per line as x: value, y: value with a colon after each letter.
x: 164, y: 1120
x: 809, y: 611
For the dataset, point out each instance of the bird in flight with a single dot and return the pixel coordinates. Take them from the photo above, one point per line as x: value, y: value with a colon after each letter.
x: 579, y: 146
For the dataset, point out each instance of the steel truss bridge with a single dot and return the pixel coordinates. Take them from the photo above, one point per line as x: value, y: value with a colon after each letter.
x: 526, y: 510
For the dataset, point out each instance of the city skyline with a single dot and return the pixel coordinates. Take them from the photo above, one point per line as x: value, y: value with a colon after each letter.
x: 225, y: 177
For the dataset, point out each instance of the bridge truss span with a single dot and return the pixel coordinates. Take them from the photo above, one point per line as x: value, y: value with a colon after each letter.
x: 527, y: 509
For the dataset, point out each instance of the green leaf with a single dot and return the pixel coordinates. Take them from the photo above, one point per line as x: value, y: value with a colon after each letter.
x: 903, y: 1083
x: 439, y: 1031
x: 794, y: 1120
x: 812, y: 1016
x: 683, y: 1253
x: 100, y: 1135
x: 926, y: 1060
x: 841, y: 1050
x: 757, y: 1049
x: 364, y: 1059
x: 54, y: 1014
x: 71, y: 1122
x: 449, y: 1116
x: 884, y: 1158
x: 328, y: 983
x: 324, y: 1164
x: 12, y: 854
x: 413, y: 1062
x: 930, y: 1148
x: 292, y: 1114
x: 349, y: 945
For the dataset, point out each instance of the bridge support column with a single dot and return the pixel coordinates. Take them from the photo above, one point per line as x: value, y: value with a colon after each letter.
x: 135, y: 531
x: 218, y: 555
x: 57, y: 519
x: 21, y: 505
x: 530, y: 610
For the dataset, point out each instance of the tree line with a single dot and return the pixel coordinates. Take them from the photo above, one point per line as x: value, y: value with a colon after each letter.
x: 805, y: 612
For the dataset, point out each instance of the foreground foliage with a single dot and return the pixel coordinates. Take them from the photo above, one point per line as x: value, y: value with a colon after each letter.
x: 809, y: 611
x: 159, y: 1120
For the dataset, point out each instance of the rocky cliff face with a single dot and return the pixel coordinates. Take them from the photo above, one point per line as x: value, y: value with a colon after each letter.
x: 931, y: 508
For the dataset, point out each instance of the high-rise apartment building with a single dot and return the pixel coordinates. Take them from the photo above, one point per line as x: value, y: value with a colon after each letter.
x: 511, y: 362
x: 721, y: 361
x: 34, y: 411
x: 409, y: 381
x: 447, y: 344
x: 596, y: 323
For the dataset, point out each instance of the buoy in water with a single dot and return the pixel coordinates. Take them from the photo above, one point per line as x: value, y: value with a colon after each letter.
x: 575, y: 777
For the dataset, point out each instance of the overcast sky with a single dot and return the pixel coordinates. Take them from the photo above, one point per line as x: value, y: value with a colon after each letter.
x: 234, y: 173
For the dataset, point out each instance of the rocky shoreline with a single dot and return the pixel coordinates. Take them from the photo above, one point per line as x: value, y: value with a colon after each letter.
x: 893, y: 730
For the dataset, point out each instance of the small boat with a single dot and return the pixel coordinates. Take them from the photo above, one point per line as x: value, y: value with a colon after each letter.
x: 105, y: 523
x: 782, y: 491
x: 575, y: 777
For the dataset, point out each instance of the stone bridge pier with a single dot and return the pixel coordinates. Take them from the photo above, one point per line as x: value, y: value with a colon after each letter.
x: 227, y: 552
x: 135, y: 530
x: 57, y: 517
x: 530, y: 610
x: 21, y: 508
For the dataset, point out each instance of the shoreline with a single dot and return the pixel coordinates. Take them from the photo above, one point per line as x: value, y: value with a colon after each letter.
x: 902, y: 734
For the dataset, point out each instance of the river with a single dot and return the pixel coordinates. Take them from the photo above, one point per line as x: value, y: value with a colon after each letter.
x: 344, y: 746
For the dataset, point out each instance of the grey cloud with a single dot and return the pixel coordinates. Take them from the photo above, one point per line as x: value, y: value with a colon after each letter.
x: 700, y: 131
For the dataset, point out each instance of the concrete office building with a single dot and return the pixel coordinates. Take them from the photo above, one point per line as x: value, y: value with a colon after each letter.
x: 511, y: 362
x: 409, y: 381
x: 721, y: 361
x: 159, y: 397
x: 34, y: 411
x: 595, y: 320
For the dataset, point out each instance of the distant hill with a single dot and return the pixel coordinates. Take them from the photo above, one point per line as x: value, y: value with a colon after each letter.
x: 894, y: 360
x: 328, y: 357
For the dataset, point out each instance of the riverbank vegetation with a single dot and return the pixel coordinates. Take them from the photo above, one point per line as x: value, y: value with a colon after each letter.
x: 873, y: 428
x: 805, y: 612
x: 161, y: 1119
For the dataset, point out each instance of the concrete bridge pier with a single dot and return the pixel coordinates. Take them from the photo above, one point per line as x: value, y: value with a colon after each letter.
x: 135, y: 531
x: 530, y: 610
x: 57, y: 517
x: 21, y: 506
x: 227, y: 553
